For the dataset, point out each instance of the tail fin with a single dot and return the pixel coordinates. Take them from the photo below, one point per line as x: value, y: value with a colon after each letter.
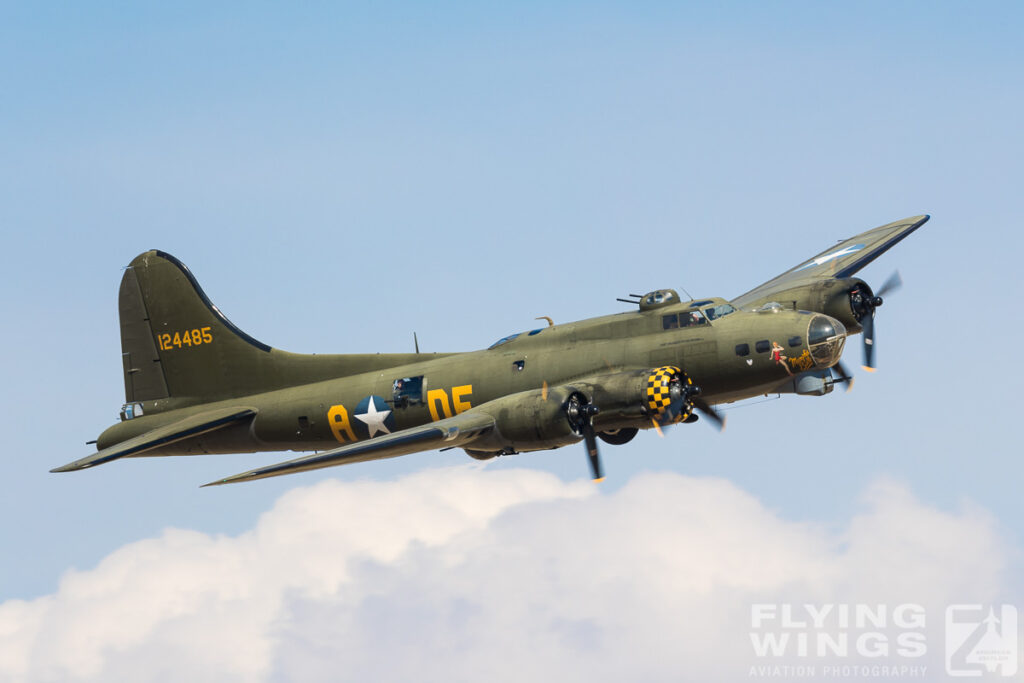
x: 176, y: 344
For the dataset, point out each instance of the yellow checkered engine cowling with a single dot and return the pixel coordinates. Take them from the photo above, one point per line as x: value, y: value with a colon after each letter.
x: 658, y: 392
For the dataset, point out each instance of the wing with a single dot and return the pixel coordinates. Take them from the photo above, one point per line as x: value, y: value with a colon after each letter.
x: 194, y: 425
x: 451, y: 432
x: 839, y: 261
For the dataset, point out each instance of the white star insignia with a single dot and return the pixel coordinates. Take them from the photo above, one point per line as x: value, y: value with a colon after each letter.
x: 374, y: 419
x: 834, y: 255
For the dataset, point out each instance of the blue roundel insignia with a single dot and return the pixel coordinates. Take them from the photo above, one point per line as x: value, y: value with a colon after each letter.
x: 373, y: 417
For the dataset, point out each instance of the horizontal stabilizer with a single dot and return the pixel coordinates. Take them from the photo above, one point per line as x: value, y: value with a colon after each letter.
x: 194, y: 425
x: 450, y: 432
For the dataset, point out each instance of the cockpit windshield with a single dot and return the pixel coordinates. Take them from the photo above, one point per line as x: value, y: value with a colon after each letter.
x: 504, y: 340
x: 718, y: 311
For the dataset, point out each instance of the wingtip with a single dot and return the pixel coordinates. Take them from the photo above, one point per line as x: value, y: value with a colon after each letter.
x: 226, y: 480
x: 71, y: 467
x: 868, y: 369
x: 598, y: 481
x: 234, y: 479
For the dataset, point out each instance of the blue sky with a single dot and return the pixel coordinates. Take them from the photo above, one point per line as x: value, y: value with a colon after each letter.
x: 513, y: 161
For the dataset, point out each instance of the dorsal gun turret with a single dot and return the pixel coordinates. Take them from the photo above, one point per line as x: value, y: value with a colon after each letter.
x: 659, y: 299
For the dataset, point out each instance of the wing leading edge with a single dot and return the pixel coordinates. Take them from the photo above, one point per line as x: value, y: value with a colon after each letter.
x: 839, y: 261
x: 451, y: 432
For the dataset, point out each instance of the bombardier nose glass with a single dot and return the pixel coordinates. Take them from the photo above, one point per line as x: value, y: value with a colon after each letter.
x: 825, y: 337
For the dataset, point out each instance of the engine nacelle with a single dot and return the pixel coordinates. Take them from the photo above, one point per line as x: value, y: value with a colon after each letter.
x: 541, y: 419
x: 533, y: 420
x: 634, y: 399
x: 840, y: 299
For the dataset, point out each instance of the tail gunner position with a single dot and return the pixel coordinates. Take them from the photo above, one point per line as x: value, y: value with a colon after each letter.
x: 196, y: 384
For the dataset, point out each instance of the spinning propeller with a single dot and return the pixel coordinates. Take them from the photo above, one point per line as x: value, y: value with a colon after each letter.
x: 844, y: 375
x: 581, y: 412
x: 683, y: 400
x: 864, y: 302
x: 716, y: 418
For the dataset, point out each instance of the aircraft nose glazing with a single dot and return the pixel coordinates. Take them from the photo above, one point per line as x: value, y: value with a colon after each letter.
x: 825, y: 337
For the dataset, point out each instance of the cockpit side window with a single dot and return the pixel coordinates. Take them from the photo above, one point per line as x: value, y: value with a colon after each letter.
x: 670, y: 321
x: 718, y: 311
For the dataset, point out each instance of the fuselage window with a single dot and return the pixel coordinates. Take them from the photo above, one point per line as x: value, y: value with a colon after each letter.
x: 130, y: 411
x: 407, y: 391
x: 518, y: 365
x: 763, y: 346
x: 794, y: 341
x: 670, y: 322
x: 743, y: 349
x: 691, y: 318
x: 718, y: 311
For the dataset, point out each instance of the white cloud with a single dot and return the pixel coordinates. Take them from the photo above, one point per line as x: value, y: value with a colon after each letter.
x: 466, y: 574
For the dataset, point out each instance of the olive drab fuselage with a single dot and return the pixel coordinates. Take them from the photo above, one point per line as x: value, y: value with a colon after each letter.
x: 323, y: 414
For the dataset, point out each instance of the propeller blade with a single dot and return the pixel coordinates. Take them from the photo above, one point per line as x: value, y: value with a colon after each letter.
x: 708, y: 412
x: 581, y: 416
x: 843, y: 376
x: 590, y: 438
x: 671, y: 414
x: 868, y: 323
x: 891, y: 285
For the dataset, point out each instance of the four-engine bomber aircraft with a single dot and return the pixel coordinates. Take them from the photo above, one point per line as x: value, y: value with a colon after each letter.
x: 196, y: 384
